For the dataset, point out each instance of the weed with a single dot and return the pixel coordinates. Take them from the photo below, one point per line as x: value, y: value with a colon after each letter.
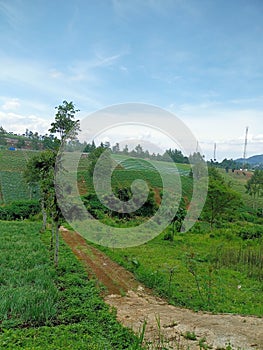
x: 203, y: 344
x: 190, y: 335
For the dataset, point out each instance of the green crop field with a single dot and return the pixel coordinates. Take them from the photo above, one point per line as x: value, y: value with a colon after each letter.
x: 12, y: 184
x: 135, y: 168
x: 142, y: 164
x: 28, y: 293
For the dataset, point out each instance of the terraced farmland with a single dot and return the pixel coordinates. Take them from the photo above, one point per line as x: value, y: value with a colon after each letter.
x: 135, y: 168
x: 12, y: 184
x: 141, y: 164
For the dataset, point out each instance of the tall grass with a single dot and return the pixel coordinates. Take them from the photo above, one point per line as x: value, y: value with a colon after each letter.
x: 28, y: 293
x: 248, y: 259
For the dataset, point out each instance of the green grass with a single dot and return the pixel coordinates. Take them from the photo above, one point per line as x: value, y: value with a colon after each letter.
x: 238, y: 182
x: 44, y: 308
x: 193, y: 271
x: 28, y: 293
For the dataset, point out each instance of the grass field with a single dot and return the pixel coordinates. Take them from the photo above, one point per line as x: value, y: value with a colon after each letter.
x: 44, y: 308
x: 216, y: 271
x: 238, y: 182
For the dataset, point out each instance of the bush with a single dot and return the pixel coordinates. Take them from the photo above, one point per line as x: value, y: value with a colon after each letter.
x: 20, y: 210
x: 99, y: 210
x: 250, y: 232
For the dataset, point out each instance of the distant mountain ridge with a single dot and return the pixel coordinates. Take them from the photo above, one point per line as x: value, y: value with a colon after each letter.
x: 254, y: 160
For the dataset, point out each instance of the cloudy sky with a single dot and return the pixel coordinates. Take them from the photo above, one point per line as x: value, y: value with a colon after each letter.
x: 202, y: 60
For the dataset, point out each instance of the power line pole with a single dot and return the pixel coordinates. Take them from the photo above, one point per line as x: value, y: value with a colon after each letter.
x: 245, y: 149
x: 197, y: 146
x: 214, y: 152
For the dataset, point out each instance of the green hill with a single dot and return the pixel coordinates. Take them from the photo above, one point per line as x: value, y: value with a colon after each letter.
x: 256, y: 160
x: 238, y: 180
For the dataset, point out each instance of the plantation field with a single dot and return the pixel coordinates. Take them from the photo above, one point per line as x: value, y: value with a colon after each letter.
x: 44, y: 308
x: 12, y: 184
x: 28, y: 293
x: 141, y: 164
x: 135, y: 168
x: 14, y: 187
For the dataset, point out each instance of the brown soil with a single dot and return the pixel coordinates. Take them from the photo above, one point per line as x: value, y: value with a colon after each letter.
x: 167, y: 326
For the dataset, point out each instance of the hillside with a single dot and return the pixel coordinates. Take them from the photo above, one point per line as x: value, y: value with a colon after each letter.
x: 204, y: 269
x: 256, y: 160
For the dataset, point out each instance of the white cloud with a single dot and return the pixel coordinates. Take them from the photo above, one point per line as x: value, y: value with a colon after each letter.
x: 18, y: 123
x: 11, y: 104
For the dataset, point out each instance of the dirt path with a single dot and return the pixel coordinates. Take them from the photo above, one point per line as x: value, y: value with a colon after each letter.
x: 167, y: 326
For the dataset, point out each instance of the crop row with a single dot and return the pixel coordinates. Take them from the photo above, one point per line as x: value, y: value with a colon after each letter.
x: 14, y: 160
x: 141, y: 164
x: 124, y: 178
x: 28, y: 294
x: 13, y: 187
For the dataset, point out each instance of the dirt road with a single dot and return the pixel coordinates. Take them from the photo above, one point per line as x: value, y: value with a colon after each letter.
x: 167, y: 326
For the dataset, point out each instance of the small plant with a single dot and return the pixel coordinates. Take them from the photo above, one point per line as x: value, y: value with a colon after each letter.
x: 192, y: 268
x: 203, y: 345
x: 141, y: 335
x: 229, y: 346
x: 190, y: 335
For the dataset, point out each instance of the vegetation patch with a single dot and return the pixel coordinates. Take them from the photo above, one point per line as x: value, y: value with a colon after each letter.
x: 19, y: 210
x: 216, y: 272
x: 28, y: 293
x: 64, y: 307
x: 12, y: 184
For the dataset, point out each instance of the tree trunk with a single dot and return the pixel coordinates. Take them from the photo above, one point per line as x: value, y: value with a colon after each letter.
x: 57, y: 244
x: 44, y: 215
x: 52, y: 238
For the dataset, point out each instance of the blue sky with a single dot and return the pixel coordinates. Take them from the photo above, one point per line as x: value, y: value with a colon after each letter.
x: 202, y: 60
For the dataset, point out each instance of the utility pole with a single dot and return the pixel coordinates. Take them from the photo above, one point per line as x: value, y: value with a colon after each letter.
x: 245, y: 149
x: 215, y: 152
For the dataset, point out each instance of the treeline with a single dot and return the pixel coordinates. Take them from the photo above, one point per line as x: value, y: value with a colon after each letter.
x: 28, y: 140
x: 229, y: 165
x: 138, y: 152
x: 35, y: 141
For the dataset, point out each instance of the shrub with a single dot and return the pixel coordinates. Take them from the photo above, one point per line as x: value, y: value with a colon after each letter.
x: 19, y: 210
x: 249, y: 232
